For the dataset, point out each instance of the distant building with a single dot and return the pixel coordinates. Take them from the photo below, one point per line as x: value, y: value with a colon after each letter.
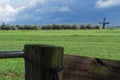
x: 104, y: 23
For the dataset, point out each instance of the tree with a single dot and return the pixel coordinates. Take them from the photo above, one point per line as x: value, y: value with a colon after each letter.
x: 74, y: 26
x: 13, y: 27
x: 35, y: 27
x: 3, y: 26
x: 97, y: 26
x: 83, y: 26
x: 89, y: 26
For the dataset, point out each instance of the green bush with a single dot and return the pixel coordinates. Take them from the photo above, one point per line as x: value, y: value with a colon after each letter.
x: 97, y: 26
x: 48, y: 27
x: 74, y: 26
x: 13, y: 27
x: 89, y: 26
x: 83, y: 26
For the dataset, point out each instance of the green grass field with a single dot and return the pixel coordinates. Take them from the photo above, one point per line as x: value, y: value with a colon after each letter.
x: 91, y: 43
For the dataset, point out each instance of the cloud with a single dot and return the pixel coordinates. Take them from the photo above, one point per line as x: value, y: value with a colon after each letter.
x: 10, y: 9
x: 34, y: 2
x: 64, y: 9
x: 2, y: 2
x: 107, y: 3
x: 7, y: 14
x: 15, y: 10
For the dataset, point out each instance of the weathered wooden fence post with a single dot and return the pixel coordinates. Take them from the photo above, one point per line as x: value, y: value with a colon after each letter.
x: 43, y: 62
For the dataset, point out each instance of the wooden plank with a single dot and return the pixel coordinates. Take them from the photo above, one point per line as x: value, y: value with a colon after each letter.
x: 84, y: 68
x: 42, y: 62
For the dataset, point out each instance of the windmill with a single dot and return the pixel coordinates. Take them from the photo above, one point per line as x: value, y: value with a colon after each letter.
x: 104, y: 23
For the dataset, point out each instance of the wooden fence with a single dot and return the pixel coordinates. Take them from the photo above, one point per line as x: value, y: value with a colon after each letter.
x: 84, y: 68
x: 45, y: 62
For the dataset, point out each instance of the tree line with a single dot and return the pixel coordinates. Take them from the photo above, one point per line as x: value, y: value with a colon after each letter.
x: 4, y: 26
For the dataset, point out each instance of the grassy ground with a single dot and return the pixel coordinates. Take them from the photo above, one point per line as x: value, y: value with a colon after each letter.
x: 92, y: 43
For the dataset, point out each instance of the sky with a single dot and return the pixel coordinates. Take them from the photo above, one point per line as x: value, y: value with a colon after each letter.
x: 59, y: 11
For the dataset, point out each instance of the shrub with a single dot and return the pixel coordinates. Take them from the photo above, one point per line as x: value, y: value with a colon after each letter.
x: 35, y: 27
x: 3, y: 26
x: 13, y: 27
x: 74, y: 26
x: 65, y: 26
x: 83, y: 26
x: 49, y: 27
x: 89, y: 26
x: 97, y: 26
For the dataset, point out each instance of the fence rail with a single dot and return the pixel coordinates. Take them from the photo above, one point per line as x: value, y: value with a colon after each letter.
x: 11, y: 54
x: 44, y: 62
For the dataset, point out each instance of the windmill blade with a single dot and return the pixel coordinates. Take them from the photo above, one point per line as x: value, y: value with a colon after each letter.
x: 106, y: 22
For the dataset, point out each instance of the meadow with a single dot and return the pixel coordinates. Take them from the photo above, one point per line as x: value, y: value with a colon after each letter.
x: 91, y: 43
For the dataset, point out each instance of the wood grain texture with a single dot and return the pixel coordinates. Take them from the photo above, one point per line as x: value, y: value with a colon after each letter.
x: 40, y: 59
x: 84, y: 68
